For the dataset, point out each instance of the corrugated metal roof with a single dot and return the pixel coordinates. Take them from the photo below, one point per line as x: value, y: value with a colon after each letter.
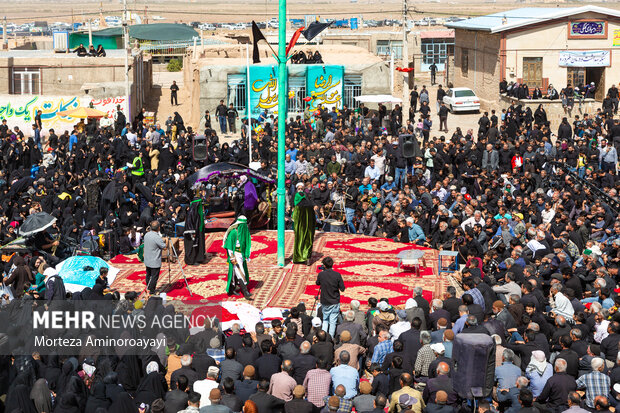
x: 516, y: 18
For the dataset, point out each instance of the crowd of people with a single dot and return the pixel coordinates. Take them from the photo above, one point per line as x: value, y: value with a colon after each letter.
x: 81, y: 51
x: 530, y: 207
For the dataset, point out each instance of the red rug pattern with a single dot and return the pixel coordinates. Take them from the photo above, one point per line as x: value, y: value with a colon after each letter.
x: 368, y: 266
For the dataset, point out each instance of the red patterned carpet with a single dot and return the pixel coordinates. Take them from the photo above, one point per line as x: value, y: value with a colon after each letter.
x: 367, y: 264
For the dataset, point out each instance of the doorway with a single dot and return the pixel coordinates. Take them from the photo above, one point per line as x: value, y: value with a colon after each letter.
x: 597, y: 75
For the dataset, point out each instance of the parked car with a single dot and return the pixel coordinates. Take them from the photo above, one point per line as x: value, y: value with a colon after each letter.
x: 461, y: 99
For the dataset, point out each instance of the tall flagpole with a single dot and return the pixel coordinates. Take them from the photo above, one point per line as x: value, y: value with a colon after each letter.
x: 247, y: 101
x: 282, y: 101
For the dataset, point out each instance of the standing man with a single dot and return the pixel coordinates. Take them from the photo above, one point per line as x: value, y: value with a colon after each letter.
x: 194, y: 235
x: 331, y: 284
x: 304, y: 226
x: 173, y: 93
x: 350, y: 203
x: 440, y: 94
x: 237, y: 243
x: 433, y: 69
x: 38, y: 127
x: 443, y: 117
x: 221, y: 111
x: 413, y: 96
x: 232, y: 116
x: 153, y: 246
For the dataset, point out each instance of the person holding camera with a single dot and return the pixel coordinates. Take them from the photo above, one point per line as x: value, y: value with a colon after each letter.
x: 331, y: 285
x: 153, y: 246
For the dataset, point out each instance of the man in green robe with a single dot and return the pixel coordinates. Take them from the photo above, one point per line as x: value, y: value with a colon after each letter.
x: 237, y: 243
x: 304, y: 225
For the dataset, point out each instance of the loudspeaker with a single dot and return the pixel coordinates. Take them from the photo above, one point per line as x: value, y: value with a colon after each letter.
x: 199, y: 148
x: 469, y: 352
x: 408, y: 144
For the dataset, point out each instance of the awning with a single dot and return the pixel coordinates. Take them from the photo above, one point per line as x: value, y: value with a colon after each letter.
x: 437, y: 34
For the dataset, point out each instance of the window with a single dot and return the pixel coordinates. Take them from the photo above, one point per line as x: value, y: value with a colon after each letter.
x: 464, y: 93
x: 297, y: 85
x: 26, y: 81
x: 576, y: 76
x: 237, y: 92
x: 435, y: 50
x: 532, y: 71
x: 352, y: 89
x: 464, y: 62
x: 385, y: 48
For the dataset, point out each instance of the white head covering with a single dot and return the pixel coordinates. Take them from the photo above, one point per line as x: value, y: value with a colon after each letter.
x: 538, y: 362
x: 410, y: 303
x: 151, y: 367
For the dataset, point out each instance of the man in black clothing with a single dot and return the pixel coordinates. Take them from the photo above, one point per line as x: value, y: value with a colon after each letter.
x: 557, y: 388
x: 613, y: 94
x: 229, y: 398
x: 433, y: 69
x: 443, y: 118
x: 331, y: 284
x: 232, y: 116
x: 483, y: 124
x: 177, y: 399
x: 451, y: 304
x: 174, y: 88
x: 81, y: 51
x: 414, y: 95
x: 221, y: 112
x: 350, y: 205
x: 265, y: 402
x: 247, y: 354
x: 303, y: 362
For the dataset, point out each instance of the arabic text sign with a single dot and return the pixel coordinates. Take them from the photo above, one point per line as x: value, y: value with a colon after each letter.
x: 325, y: 85
x: 616, y: 37
x: 596, y: 58
x: 20, y: 110
x: 263, y: 89
x: 588, y: 28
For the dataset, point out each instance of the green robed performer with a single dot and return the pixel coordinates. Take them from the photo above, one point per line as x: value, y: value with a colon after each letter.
x: 237, y: 243
x: 304, y: 225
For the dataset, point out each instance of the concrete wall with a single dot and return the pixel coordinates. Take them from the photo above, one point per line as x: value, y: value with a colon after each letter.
x: 548, y: 41
x: 554, y: 109
x: 483, y: 64
x: 64, y: 75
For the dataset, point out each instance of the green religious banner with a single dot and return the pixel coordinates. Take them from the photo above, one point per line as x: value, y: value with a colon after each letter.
x: 324, y: 84
x: 263, y: 89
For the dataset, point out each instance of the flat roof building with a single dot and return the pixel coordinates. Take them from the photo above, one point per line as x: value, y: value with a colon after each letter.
x: 539, y: 47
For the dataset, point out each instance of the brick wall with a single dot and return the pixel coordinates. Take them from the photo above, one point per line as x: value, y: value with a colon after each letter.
x: 483, y: 64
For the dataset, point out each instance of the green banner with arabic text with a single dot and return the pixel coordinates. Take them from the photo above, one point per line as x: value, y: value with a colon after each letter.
x: 324, y: 84
x: 263, y: 89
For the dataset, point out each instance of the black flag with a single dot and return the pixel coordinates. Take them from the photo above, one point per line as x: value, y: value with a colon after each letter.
x: 257, y: 36
x: 314, y: 29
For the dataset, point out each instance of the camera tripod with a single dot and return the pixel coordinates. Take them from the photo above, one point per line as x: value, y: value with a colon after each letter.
x: 172, y: 252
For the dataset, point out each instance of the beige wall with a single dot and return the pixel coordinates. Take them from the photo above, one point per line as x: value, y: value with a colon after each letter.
x: 483, y: 64
x: 64, y: 75
x: 548, y: 41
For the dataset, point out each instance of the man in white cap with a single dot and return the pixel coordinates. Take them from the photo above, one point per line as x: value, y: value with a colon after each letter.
x: 237, y: 243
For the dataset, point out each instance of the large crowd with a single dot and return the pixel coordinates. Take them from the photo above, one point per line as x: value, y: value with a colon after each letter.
x: 530, y: 209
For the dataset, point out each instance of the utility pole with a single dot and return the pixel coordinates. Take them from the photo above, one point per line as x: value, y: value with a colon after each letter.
x: 405, y: 106
x: 4, y: 38
x: 282, y: 103
x: 146, y: 16
x: 127, y: 51
x: 90, y: 32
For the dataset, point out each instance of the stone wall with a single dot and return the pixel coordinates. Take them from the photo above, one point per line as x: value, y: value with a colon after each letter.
x: 554, y: 109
